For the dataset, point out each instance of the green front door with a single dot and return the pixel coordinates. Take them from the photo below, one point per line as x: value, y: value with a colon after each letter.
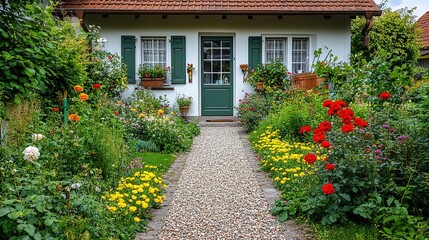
x: 217, y: 80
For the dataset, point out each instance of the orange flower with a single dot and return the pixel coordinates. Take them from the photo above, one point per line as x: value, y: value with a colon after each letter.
x: 160, y: 112
x: 74, y: 117
x: 83, y: 97
x: 78, y: 88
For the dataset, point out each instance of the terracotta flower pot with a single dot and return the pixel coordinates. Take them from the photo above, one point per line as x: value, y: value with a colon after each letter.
x: 184, y: 109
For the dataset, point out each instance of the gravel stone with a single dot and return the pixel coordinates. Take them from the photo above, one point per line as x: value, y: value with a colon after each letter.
x: 218, y: 195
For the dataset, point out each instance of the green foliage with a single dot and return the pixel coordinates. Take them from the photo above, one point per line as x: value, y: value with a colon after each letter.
x: 182, y: 100
x: 395, y: 32
x: 297, y: 110
x: 152, y: 71
x: 105, y: 68
x: 39, y: 54
x: 171, y: 134
x: 273, y: 75
x: 252, y: 109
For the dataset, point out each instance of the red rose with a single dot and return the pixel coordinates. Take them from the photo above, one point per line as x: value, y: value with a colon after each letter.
x: 96, y: 86
x: 325, y: 126
x: 329, y: 166
x: 342, y: 103
x: 335, y: 106
x: 304, y: 129
x: 347, y: 128
x: 347, y: 119
x: 360, y: 122
x: 310, y: 158
x: 325, y: 144
x: 328, y: 189
x: 345, y: 112
x: 384, y: 96
x: 319, y: 137
x: 55, y: 109
x: 327, y: 103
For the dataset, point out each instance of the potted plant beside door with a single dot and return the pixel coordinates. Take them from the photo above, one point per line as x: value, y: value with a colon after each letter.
x: 152, y: 75
x: 183, y: 102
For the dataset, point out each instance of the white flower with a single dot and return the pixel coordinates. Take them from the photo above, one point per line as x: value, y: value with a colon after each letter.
x: 76, y: 185
x: 97, y: 189
x: 37, y: 137
x: 31, y: 153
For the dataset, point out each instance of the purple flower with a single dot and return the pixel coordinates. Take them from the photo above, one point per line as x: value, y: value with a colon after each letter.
x: 385, y: 126
x: 377, y: 151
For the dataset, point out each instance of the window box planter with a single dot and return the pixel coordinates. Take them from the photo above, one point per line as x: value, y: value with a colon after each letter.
x: 152, y: 82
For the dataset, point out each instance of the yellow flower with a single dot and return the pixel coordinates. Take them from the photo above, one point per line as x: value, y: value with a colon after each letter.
x: 112, y: 209
x: 133, y: 209
x: 160, y: 112
x: 133, y: 109
x: 142, y: 115
x: 133, y: 197
x: 136, y: 219
x: 145, y: 205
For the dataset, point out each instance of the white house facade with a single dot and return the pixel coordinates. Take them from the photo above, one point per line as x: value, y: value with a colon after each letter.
x: 217, y: 44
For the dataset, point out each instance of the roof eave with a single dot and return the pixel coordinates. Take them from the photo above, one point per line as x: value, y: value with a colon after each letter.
x: 223, y: 12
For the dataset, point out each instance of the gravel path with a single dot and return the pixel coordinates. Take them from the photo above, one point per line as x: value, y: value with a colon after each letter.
x: 218, y: 195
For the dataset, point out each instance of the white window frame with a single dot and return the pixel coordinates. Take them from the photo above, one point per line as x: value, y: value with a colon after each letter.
x: 153, y: 61
x: 289, y: 41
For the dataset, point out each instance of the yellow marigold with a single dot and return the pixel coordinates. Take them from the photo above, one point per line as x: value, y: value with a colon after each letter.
x: 122, y: 205
x: 142, y: 115
x: 136, y: 219
x: 151, y: 190
x: 145, y: 205
x: 133, y: 197
x: 113, y: 209
x: 83, y: 97
x: 78, y: 88
x: 74, y: 117
x: 160, y: 112
x: 133, y: 209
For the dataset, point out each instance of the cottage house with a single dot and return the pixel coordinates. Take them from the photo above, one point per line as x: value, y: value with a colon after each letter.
x: 423, y: 24
x: 219, y: 36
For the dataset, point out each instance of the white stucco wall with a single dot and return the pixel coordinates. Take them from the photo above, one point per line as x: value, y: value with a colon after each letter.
x: 333, y: 33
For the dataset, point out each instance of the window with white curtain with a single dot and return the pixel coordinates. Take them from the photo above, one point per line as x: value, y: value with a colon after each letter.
x: 293, y: 52
x: 154, y: 51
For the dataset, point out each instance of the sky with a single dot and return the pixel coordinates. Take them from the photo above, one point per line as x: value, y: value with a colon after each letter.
x: 422, y: 5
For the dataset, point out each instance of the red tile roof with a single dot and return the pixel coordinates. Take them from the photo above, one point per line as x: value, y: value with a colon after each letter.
x: 284, y: 7
x: 423, y: 23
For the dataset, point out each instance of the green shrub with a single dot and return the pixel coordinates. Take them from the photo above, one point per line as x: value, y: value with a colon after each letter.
x: 252, y: 109
x: 297, y: 110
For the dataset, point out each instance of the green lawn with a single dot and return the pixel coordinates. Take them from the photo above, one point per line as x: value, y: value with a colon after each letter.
x: 162, y: 160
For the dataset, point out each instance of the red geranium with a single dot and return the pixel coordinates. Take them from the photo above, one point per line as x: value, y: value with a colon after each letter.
x: 96, y: 86
x: 347, y: 128
x: 328, y: 189
x: 325, y: 126
x: 329, y: 166
x: 319, y: 137
x: 327, y: 103
x: 310, y: 158
x: 360, y: 122
x: 384, y: 96
x: 304, y: 129
x: 55, y: 109
x: 325, y: 144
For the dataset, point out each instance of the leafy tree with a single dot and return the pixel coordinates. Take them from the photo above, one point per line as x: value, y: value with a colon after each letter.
x: 394, y: 32
x: 39, y: 54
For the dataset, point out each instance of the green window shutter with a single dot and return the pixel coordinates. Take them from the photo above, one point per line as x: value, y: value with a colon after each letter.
x: 128, y: 52
x: 255, y: 52
x: 178, y: 59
